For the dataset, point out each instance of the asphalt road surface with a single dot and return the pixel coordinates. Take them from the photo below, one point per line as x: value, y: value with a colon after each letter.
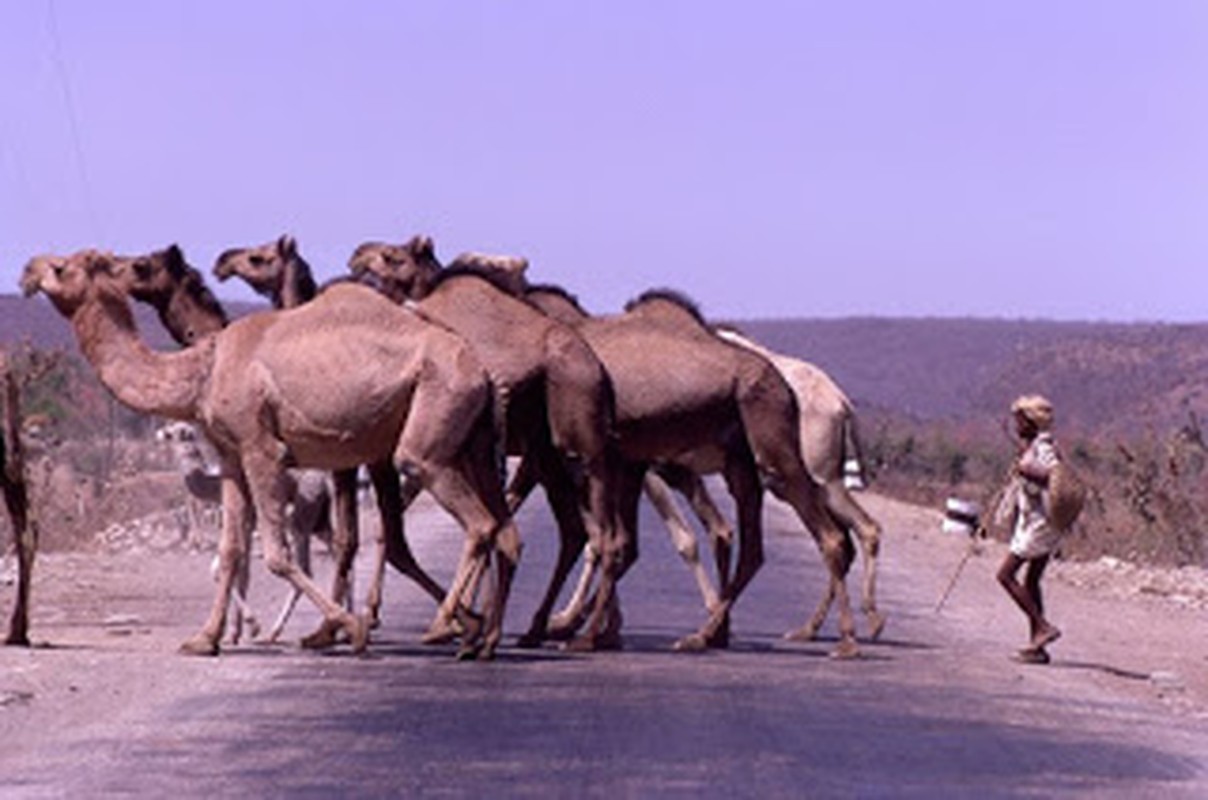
x: 105, y: 707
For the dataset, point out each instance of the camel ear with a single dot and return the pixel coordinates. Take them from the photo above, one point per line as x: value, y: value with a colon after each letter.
x: 175, y: 255
x: 287, y: 246
x: 421, y: 247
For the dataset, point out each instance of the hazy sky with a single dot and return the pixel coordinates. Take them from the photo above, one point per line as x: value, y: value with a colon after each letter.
x: 772, y: 159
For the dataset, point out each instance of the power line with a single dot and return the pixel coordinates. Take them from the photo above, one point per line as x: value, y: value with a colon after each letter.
x: 73, y: 125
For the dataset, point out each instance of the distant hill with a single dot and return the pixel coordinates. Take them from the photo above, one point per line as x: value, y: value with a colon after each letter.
x: 1102, y: 376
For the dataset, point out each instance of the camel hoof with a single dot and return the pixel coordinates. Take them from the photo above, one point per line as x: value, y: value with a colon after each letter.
x: 469, y: 651
x: 562, y: 627
x: 720, y: 638
x: 440, y: 635
x: 846, y: 649
x: 876, y: 625
x: 321, y: 639
x: 200, y: 645
x: 693, y: 643
x: 806, y: 633
x: 358, y: 633
x: 590, y: 644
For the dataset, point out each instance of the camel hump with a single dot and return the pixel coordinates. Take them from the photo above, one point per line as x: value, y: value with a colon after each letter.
x: 668, y: 304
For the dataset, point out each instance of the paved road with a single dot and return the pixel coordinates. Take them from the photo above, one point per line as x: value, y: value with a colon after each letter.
x: 935, y: 710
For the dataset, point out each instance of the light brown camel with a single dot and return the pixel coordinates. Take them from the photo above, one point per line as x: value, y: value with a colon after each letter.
x: 277, y: 271
x: 829, y: 440
x: 554, y: 403
x: 188, y: 310
x: 417, y: 396
x: 668, y: 330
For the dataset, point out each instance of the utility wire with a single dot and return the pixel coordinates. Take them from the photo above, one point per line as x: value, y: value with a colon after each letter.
x: 73, y: 125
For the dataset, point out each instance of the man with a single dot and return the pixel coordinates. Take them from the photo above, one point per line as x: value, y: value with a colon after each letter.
x: 1035, y: 537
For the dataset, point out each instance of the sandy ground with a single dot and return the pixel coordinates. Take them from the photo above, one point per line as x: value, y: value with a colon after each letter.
x: 106, y: 628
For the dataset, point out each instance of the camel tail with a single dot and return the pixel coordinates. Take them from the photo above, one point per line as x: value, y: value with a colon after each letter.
x: 855, y: 475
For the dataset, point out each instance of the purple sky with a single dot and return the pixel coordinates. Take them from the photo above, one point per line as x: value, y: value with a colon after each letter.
x: 904, y: 157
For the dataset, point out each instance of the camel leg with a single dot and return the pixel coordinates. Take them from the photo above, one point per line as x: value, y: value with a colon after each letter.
x: 837, y: 550
x: 231, y: 542
x: 617, y: 554
x: 563, y: 497
x: 742, y: 480
x: 692, y: 487
x: 457, y: 495
x: 268, y: 484
x: 303, y: 518
x: 868, y: 535
x: 393, y: 502
x: 482, y: 465
x: 345, y: 542
x: 563, y: 624
x: 461, y: 473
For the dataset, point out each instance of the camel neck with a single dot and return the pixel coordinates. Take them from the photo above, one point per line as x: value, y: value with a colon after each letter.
x: 297, y: 285
x: 184, y: 314
x: 167, y: 384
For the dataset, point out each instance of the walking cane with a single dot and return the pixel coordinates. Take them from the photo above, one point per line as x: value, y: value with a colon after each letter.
x: 973, y: 549
x: 964, y: 517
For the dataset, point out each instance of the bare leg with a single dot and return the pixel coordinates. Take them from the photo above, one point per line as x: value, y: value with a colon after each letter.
x: 1027, y: 596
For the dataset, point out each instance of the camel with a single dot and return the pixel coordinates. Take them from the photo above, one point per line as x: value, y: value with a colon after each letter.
x: 278, y: 271
x: 202, y: 479
x: 829, y: 444
x: 830, y: 537
x: 554, y: 403
x: 417, y: 396
x: 188, y: 310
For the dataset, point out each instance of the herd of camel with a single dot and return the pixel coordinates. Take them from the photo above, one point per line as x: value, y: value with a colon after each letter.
x: 429, y: 377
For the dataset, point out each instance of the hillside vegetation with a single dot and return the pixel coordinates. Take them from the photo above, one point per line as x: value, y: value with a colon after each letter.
x: 933, y: 397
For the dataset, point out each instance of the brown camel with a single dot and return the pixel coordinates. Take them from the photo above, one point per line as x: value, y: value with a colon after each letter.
x: 188, y: 310
x: 418, y: 396
x: 684, y: 397
x: 554, y: 403
x: 278, y: 271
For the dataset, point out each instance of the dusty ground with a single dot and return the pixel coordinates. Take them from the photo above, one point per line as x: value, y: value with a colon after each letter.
x: 107, y: 625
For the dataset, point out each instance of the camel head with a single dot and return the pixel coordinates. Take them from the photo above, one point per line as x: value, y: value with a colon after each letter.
x: 509, y: 270
x: 159, y: 279
x: 68, y: 281
x: 401, y: 272
x: 262, y: 267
